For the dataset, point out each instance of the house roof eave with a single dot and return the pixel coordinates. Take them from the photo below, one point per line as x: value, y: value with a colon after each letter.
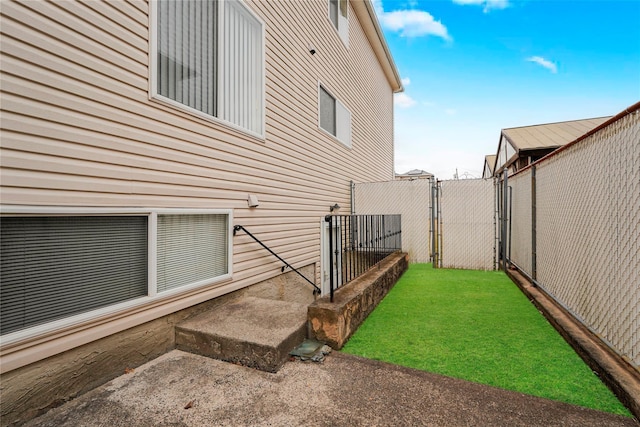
x: 367, y: 16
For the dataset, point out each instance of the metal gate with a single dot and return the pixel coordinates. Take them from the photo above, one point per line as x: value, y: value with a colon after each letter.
x: 449, y: 223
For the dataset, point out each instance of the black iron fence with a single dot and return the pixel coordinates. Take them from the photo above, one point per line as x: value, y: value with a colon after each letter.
x: 358, y: 242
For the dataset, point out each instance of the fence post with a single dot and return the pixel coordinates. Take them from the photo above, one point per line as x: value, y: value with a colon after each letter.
x: 329, y: 219
x: 510, y: 222
x: 505, y: 207
x: 432, y: 228
x: 496, y: 223
x: 439, y: 220
x: 534, y: 274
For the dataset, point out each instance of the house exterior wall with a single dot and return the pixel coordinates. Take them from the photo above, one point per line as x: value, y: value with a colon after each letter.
x: 505, y: 154
x: 487, y: 172
x: 80, y: 130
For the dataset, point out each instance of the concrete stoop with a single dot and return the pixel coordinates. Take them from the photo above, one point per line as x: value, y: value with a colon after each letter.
x: 254, y: 332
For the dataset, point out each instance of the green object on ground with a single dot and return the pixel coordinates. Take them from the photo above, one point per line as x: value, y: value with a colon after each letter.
x: 477, y: 326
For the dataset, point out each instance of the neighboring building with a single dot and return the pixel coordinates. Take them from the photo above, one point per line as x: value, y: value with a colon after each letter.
x: 489, y: 163
x: 521, y: 146
x: 414, y: 174
x: 133, y: 135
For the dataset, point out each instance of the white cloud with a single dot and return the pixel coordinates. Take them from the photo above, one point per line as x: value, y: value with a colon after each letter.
x: 403, y: 100
x: 410, y: 22
x: 406, y: 81
x: 487, y: 4
x: 450, y: 111
x: 544, y: 63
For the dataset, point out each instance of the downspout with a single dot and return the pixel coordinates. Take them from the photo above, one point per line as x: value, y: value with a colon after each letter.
x: 352, y: 187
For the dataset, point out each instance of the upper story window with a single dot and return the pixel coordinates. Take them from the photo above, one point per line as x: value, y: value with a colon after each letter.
x: 334, y: 117
x: 208, y: 57
x: 338, y: 14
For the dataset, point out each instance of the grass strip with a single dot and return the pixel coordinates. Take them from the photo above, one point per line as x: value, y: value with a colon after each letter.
x: 477, y: 326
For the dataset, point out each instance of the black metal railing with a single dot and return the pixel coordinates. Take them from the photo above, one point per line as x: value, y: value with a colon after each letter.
x: 316, y: 289
x: 358, y: 242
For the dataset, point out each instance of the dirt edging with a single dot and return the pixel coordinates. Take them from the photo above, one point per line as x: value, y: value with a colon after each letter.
x: 622, y: 378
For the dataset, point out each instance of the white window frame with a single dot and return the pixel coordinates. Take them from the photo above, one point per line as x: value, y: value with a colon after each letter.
x: 342, y: 119
x: 152, y: 296
x: 153, y: 72
x: 343, y: 22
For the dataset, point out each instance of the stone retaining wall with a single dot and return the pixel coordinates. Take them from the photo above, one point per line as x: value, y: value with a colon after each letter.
x: 334, y: 322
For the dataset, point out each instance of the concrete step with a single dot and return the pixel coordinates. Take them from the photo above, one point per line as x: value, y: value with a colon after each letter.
x: 254, y: 332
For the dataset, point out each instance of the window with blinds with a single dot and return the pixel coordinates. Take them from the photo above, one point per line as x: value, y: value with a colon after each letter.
x: 191, y: 249
x: 327, y: 111
x: 338, y: 10
x: 56, y: 267
x: 209, y: 57
x: 334, y: 117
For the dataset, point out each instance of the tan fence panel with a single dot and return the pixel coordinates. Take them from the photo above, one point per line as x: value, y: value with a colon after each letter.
x: 468, y: 228
x: 588, y: 228
x: 411, y: 199
x: 520, y: 250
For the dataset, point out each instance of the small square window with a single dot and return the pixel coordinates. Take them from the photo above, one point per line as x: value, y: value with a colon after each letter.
x: 327, y: 112
x: 334, y: 117
x: 338, y: 14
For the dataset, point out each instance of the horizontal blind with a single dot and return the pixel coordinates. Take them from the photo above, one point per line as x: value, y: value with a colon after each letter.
x: 191, y: 248
x: 55, y: 267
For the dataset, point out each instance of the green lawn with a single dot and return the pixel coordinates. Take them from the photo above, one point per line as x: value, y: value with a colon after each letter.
x: 478, y: 326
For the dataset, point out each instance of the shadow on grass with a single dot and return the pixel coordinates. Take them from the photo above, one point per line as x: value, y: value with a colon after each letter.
x: 477, y: 326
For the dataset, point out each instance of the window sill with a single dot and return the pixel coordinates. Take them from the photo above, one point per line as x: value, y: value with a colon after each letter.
x: 39, y: 342
x: 159, y: 99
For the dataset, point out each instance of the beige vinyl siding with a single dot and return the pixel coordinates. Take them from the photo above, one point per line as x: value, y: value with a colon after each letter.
x: 79, y: 129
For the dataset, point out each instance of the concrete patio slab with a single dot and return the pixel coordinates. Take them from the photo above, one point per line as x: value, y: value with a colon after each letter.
x: 183, y: 389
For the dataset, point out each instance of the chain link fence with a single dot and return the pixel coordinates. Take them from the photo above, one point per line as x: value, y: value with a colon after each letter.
x: 573, y: 226
x: 577, y: 233
x: 411, y: 199
x: 467, y: 224
x: 462, y: 223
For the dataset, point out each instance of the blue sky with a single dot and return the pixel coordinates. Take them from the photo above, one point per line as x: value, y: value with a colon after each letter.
x: 473, y: 67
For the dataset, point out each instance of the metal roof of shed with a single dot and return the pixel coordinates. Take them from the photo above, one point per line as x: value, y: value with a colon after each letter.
x: 490, y: 160
x: 550, y: 135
